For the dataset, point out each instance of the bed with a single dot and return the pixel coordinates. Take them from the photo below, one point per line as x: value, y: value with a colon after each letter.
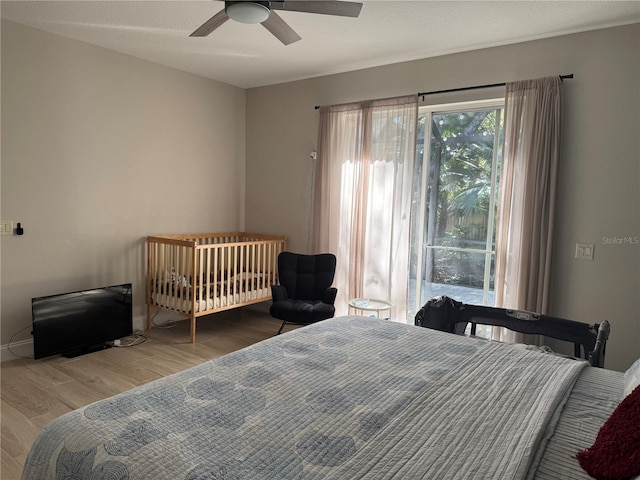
x: 200, y: 274
x: 347, y: 398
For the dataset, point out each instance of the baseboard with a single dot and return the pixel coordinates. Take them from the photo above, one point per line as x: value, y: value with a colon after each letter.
x: 18, y: 350
x: 24, y: 348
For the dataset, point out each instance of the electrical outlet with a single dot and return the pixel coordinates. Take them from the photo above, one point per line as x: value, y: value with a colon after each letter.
x: 6, y: 227
x: 584, y: 251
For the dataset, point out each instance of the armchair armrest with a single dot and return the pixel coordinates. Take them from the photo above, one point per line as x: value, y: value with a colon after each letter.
x: 278, y: 292
x: 329, y: 295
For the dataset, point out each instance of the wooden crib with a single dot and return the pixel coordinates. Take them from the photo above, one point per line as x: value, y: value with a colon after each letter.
x: 201, y: 274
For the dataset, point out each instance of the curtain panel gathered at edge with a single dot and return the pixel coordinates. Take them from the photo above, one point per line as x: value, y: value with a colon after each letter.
x: 362, y: 199
x: 524, y: 232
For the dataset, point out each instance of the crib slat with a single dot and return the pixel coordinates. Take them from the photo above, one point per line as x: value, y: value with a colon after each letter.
x: 207, y: 272
x: 191, y: 259
x: 169, y: 283
x: 228, y: 266
x: 254, y: 278
x: 217, y: 297
x: 150, y: 276
x: 260, y: 266
x: 235, y: 272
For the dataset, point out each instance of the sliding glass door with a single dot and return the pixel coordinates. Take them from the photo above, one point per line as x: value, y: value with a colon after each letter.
x: 459, y: 150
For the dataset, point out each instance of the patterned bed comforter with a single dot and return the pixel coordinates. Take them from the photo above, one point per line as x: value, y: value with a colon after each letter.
x: 347, y: 398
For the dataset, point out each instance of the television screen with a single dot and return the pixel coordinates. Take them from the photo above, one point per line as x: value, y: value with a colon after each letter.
x: 75, y: 323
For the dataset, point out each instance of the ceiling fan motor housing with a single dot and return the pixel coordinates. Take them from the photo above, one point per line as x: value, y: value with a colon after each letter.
x: 247, y: 11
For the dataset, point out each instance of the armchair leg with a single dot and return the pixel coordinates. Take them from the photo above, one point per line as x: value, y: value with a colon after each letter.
x: 281, y: 327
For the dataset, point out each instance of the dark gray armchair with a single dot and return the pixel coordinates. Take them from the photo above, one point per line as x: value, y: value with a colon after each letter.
x: 305, y: 294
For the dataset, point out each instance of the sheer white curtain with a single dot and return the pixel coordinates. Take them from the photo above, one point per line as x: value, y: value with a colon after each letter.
x: 362, y: 198
x: 527, y: 196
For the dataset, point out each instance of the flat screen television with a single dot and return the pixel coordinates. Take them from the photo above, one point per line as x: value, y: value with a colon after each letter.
x: 75, y: 323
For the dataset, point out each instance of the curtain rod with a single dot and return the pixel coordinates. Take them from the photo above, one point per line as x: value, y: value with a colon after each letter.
x: 475, y: 87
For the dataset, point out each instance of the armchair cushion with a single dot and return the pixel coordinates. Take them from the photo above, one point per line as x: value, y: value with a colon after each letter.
x: 301, y: 312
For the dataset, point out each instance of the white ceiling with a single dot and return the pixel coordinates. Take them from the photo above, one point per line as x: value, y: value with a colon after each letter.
x: 247, y: 56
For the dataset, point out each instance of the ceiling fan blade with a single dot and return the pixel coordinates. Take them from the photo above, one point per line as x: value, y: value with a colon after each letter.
x: 210, y: 25
x: 279, y: 28
x: 343, y: 9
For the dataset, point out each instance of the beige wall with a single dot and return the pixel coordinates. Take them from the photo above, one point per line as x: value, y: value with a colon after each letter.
x: 599, y: 178
x: 100, y: 150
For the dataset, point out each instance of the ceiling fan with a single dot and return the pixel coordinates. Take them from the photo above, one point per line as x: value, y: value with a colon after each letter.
x: 263, y: 12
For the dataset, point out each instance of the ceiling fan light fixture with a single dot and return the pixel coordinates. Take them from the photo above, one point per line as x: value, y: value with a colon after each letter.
x: 248, y: 12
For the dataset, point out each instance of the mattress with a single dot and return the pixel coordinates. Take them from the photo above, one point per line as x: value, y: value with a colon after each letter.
x: 594, y: 397
x: 184, y: 305
x: 351, y: 397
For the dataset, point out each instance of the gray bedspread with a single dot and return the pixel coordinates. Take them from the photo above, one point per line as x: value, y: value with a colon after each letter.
x: 347, y: 398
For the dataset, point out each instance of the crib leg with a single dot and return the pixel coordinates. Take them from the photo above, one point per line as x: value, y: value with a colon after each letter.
x: 193, y: 329
x: 149, y: 316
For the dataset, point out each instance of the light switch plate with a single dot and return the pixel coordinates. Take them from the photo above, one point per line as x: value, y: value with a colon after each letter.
x: 584, y: 251
x: 6, y: 227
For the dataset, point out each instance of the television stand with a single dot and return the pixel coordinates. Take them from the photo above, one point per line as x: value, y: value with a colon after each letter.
x: 85, y: 350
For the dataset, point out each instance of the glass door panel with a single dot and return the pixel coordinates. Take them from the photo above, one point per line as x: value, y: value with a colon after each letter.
x: 454, y: 205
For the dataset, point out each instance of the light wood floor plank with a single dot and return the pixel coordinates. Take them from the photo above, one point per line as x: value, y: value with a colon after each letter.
x: 35, y: 392
x: 77, y: 394
x: 17, y: 430
x: 11, y: 468
x: 45, y: 375
x: 26, y: 395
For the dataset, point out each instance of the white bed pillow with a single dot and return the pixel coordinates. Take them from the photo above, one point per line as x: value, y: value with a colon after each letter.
x: 632, y: 377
